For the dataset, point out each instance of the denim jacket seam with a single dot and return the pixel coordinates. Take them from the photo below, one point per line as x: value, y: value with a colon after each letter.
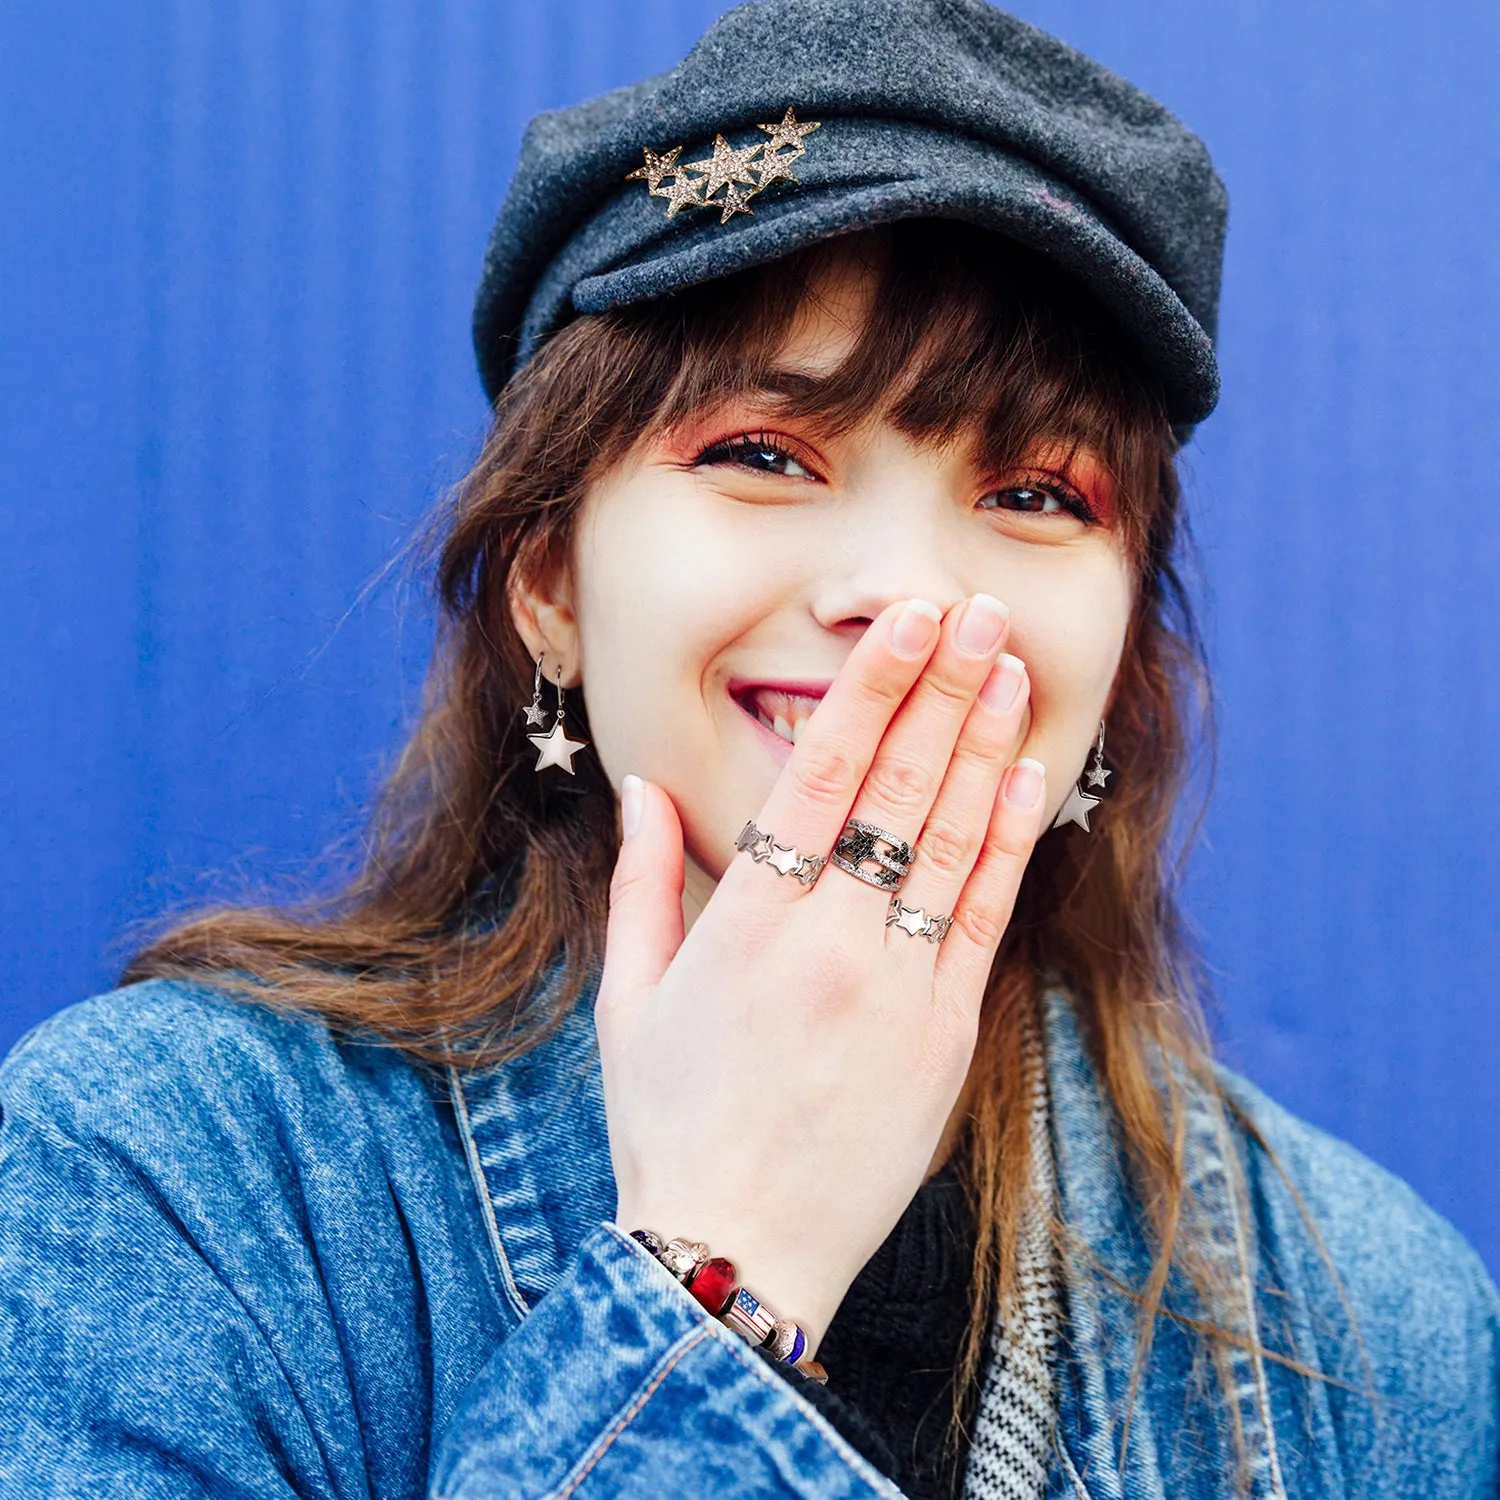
x: 643, y: 1393
x: 1218, y: 1165
x: 1247, y: 1291
x: 513, y: 1295
x: 1071, y: 1471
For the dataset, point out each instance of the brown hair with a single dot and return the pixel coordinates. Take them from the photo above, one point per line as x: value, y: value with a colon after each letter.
x: 480, y: 873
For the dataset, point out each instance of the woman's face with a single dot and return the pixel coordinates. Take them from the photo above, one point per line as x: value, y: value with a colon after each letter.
x: 720, y: 575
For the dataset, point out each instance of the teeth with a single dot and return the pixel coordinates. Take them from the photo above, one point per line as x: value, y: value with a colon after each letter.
x: 784, y: 714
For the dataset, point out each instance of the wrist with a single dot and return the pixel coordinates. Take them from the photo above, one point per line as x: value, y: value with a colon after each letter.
x: 726, y: 1292
x: 801, y: 1280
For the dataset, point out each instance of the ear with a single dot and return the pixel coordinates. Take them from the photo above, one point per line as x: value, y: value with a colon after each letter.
x: 541, y: 608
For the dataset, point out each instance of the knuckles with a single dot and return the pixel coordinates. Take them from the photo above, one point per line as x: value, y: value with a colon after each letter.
x: 627, y: 880
x: 951, y: 693
x: 826, y: 773
x: 947, y: 847
x: 901, y: 786
x: 984, y: 926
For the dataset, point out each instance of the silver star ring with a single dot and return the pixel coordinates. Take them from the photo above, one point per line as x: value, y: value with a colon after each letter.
x: 783, y: 858
x: 915, y: 922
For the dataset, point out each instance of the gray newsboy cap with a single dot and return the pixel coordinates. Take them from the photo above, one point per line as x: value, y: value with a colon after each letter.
x: 929, y: 109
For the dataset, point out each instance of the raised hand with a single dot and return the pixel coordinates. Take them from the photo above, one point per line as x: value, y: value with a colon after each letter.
x: 776, y: 1084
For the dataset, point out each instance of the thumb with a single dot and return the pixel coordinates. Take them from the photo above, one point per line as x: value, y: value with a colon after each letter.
x: 645, y: 895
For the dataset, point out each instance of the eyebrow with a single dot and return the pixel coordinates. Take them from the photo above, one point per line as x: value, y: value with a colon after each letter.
x: 787, y: 385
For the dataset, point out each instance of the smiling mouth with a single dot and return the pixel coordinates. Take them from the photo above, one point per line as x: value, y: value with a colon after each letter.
x: 782, y: 710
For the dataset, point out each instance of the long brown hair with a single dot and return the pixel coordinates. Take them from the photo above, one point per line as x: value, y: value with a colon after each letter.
x: 479, y: 873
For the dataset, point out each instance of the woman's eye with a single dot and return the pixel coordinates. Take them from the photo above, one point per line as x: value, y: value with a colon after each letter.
x: 1037, y: 500
x: 758, y: 454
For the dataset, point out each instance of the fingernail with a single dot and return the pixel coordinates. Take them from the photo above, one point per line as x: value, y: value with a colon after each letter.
x: 915, y: 627
x: 1023, y: 786
x: 984, y: 619
x: 1003, y: 684
x: 632, y: 795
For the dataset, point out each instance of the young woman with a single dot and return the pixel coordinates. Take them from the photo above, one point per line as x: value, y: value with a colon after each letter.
x: 777, y: 1073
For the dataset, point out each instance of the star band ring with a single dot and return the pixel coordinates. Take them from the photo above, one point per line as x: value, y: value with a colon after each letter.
x: 858, y: 845
x: 784, y: 859
x: 915, y: 922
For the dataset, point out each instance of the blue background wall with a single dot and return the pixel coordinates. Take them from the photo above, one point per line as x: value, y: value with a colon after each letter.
x: 237, y: 246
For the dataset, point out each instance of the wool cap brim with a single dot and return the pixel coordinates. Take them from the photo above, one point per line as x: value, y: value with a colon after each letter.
x: 926, y: 109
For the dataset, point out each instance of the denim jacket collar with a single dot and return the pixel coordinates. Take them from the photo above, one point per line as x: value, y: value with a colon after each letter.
x: 1106, y: 1252
x: 535, y: 1135
x: 537, y: 1142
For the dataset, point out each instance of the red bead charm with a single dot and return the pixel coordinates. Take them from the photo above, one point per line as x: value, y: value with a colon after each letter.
x: 715, y: 1285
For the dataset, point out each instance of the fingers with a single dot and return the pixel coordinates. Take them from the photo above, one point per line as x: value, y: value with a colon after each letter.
x: 810, y: 802
x: 950, y: 841
x: 984, y: 906
x: 645, y: 929
x: 915, y: 757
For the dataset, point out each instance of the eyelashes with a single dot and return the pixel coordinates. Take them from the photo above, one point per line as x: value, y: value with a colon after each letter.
x: 1035, y: 493
x: 762, y: 452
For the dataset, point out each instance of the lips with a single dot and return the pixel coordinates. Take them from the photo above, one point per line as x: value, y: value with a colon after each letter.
x: 782, y: 707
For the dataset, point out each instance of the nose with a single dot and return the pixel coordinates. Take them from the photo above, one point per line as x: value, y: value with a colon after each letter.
x: 883, y: 552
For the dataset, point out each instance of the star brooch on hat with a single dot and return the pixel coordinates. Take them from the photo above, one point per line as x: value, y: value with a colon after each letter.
x: 732, y: 176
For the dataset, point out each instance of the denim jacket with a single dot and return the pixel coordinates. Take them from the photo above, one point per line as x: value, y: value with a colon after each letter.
x: 240, y: 1258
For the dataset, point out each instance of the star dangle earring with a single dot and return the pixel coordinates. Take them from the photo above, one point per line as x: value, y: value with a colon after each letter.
x: 553, y: 748
x: 535, y: 714
x: 1080, y: 802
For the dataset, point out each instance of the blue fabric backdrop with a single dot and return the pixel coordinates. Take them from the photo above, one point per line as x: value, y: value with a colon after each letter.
x: 237, y: 245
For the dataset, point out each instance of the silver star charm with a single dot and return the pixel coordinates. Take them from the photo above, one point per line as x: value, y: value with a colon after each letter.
x: 914, y: 922
x: 656, y: 167
x: 752, y: 839
x: 555, y: 749
x: 726, y: 165
x: 535, y: 713
x: 785, y: 860
x: 1076, y: 809
x: 789, y: 132
x: 1097, y: 775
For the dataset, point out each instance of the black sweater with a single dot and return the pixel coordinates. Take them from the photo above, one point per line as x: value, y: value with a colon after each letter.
x: 892, y: 1349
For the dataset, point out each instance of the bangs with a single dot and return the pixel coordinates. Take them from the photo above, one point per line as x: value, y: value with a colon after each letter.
x: 967, y: 338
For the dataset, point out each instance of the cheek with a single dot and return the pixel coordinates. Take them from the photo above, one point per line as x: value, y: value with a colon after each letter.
x: 1070, y: 630
x: 660, y: 590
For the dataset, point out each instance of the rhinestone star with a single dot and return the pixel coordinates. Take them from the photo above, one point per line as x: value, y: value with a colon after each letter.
x: 728, y: 164
x: 1097, y: 776
x: 656, y: 167
x: 735, y: 202
x: 857, y: 846
x: 773, y: 167
x: 555, y: 749
x: 535, y: 713
x: 1076, y: 809
x: 785, y: 860
x: 789, y: 132
x: 682, y: 192
x: 912, y: 921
